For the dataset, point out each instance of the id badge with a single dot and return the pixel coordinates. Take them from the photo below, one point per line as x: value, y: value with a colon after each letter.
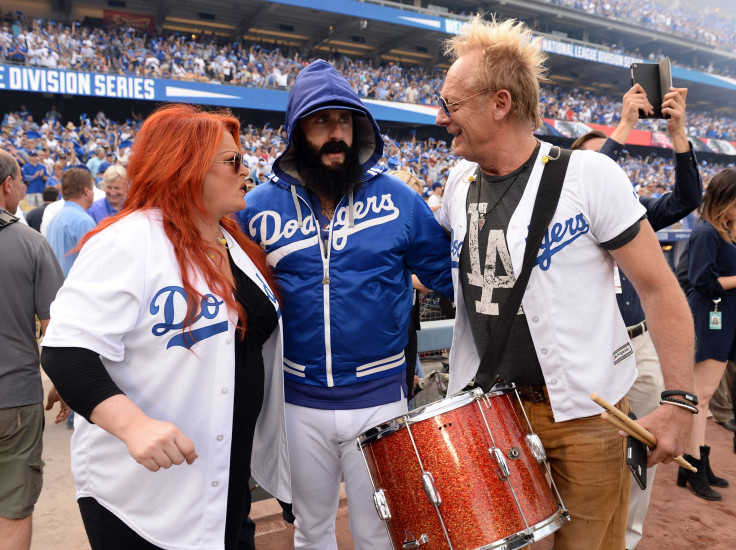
x: 715, y: 320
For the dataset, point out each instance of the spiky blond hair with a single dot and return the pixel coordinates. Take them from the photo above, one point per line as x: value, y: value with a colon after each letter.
x: 512, y: 60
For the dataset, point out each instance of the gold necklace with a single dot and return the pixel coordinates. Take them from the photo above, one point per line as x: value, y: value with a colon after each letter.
x: 222, y: 242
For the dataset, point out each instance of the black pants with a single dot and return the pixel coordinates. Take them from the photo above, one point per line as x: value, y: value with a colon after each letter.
x: 106, y: 531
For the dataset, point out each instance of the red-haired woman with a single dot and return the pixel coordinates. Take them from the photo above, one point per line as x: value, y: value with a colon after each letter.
x: 712, y: 297
x: 166, y: 339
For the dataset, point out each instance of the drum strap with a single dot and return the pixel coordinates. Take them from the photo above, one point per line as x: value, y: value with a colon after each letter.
x: 545, y: 204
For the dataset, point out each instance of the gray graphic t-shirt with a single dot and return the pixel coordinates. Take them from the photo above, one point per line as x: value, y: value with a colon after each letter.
x: 486, y: 273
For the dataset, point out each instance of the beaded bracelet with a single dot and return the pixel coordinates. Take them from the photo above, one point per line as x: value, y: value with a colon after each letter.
x: 691, y: 397
x: 684, y: 404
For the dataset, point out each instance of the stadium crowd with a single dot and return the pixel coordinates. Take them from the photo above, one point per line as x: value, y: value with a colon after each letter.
x: 120, y: 49
x: 713, y: 29
x: 97, y: 143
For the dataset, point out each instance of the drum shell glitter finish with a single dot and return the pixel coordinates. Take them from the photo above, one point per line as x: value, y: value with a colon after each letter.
x: 466, y: 502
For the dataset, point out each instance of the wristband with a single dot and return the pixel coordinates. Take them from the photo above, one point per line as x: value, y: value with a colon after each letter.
x: 690, y: 397
x: 684, y: 404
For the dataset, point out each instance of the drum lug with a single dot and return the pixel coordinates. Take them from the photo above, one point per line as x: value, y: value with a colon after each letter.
x: 414, y: 543
x: 497, y: 455
x: 379, y: 499
x: 535, y: 445
x: 430, y: 489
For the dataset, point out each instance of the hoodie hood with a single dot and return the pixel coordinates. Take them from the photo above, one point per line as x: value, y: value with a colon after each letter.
x: 317, y: 87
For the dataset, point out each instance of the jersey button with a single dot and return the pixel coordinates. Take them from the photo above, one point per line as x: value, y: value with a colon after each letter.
x: 228, y: 340
x: 220, y: 437
x: 535, y: 319
x: 544, y: 351
x: 215, y: 483
x: 224, y: 390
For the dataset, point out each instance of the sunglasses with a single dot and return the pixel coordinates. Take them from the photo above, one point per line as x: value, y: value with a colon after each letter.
x: 237, y: 161
x: 446, y: 106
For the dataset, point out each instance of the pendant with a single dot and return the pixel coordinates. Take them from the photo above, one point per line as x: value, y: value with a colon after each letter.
x: 481, y: 223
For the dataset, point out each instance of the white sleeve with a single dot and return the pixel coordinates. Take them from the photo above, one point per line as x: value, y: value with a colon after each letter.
x: 606, y: 190
x: 100, y: 302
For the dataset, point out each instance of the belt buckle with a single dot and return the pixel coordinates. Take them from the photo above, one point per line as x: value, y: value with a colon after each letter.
x: 534, y: 394
x: 637, y: 330
x: 539, y: 395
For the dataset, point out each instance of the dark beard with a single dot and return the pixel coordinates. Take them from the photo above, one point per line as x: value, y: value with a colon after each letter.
x: 327, y: 181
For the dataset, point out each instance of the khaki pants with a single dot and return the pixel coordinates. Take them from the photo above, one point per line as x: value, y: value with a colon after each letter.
x: 21, y: 466
x: 587, y: 459
x: 644, y: 398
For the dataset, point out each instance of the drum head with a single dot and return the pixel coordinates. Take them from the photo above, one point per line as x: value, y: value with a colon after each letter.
x: 417, y: 415
x: 382, y: 430
x: 444, y: 405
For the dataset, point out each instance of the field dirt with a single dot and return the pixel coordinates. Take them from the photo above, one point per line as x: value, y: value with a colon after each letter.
x: 677, y: 519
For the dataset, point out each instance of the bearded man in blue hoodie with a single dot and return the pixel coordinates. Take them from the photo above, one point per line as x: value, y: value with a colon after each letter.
x: 343, y: 237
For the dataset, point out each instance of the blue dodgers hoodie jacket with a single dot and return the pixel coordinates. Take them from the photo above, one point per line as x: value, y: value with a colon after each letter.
x: 346, y: 302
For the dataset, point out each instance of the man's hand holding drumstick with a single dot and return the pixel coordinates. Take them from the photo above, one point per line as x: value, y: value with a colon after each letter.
x: 638, y: 431
x: 670, y: 325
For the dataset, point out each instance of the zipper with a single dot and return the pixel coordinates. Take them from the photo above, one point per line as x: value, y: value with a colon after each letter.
x: 325, y: 251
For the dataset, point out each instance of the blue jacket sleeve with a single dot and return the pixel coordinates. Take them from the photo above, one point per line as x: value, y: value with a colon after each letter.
x: 703, y: 248
x: 428, y: 254
x: 684, y: 198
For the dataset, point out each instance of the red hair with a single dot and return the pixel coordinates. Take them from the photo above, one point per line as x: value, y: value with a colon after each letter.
x: 170, y: 156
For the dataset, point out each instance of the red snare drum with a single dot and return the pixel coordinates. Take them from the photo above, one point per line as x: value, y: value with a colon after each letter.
x: 462, y: 473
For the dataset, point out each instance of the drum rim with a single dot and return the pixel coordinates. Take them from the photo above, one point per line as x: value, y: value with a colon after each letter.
x: 430, y: 410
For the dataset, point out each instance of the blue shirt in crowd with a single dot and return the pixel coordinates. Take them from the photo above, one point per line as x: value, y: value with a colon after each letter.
x: 33, y: 176
x: 65, y: 230
x: 101, y: 209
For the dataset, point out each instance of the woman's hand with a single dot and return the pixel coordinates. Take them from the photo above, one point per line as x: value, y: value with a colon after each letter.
x: 156, y: 444
x: 152, y: 443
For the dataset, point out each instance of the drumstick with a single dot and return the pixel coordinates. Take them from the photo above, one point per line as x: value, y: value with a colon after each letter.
x: 649, y: 442
x: 626, y: 424
x: 645, y: 436
x: 605, y: 415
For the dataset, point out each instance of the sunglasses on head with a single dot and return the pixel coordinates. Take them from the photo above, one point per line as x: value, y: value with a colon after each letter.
x: 446, y: 106
x: 237, y: 161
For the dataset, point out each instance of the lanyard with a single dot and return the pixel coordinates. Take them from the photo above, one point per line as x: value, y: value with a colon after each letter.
x: 715, y: 317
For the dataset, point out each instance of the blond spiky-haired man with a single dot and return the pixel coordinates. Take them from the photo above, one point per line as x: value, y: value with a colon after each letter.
x: 568, y: 339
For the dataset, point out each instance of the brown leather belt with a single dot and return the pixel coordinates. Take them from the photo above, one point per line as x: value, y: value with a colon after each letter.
x: 533, y: 394
x: 637, y: 330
